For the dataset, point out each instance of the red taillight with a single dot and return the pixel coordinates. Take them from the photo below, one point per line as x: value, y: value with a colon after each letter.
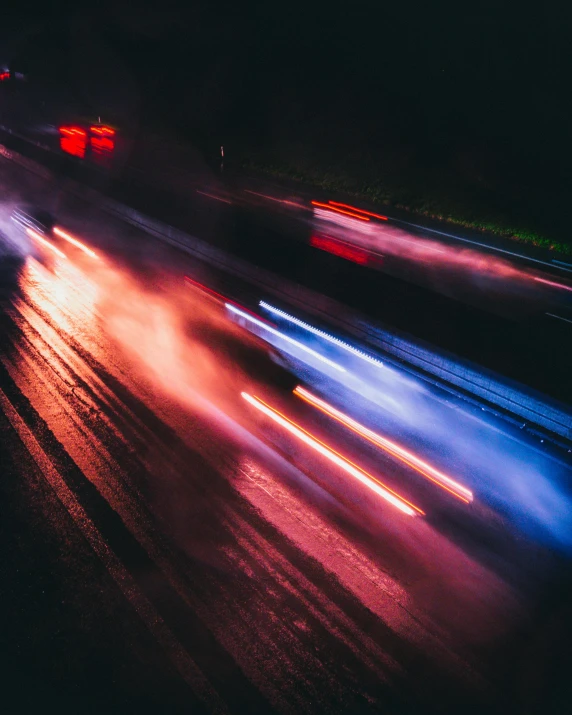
x: 342, y: 249
x: 73, y: 141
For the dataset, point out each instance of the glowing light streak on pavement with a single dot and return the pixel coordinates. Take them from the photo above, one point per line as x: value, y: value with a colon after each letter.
x: 287, y: 338
x: 553, y: 284
x: 335, y: 457
x: 321, y: 334
x: 355, y: 208
x: 329, y: 207
x: 344, y: 250
x: 33, y: 234
x: 426, y: 470
x: 74, y: 241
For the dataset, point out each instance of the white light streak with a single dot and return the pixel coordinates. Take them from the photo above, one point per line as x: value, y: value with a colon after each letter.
x: 326, y: 336
x: 288, y: 339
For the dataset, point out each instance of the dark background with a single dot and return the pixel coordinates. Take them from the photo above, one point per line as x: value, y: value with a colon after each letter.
x: 440, y: 101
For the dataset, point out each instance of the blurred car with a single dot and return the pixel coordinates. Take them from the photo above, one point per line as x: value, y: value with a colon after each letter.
x: 256, y: 363
x: 50, y: 240
x: 36, y: 219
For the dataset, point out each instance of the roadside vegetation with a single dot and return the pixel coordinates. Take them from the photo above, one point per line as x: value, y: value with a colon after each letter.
x: 438, y: 196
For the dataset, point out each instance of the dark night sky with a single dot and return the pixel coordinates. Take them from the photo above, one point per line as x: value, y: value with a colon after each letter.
x: 490, y: 74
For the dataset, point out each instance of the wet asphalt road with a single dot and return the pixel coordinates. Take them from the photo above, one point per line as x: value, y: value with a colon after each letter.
x: 139, y: 569
x: 158, y: 558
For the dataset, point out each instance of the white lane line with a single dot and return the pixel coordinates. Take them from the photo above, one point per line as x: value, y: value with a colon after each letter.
x: 562, y: 264
x: 144, y: 608
x: 212, y: 196
x: 482, y: 245
x: 553, y: 315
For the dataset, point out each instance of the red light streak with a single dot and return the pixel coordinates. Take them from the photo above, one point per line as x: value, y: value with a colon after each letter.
x: 342, y: 249
x: 222, y: 299
x: 102, y: 145
x: 4, y: 76
x: 355, y: 208
x: 73, y: 141
x: 426, y: 470
x: 340, y: 211
x: 553, y: 284
x: 45, y: 242
x: 74, y: 241
x: 335, y: 457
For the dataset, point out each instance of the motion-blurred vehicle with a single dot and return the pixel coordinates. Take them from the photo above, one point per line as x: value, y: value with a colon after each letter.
x: 32, y: 218
x: 252, y: 362
x: 48, y: 239
x: 259, y: 364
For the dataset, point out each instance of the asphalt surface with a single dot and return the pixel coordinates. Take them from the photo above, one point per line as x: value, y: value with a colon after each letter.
x: 164, y: 551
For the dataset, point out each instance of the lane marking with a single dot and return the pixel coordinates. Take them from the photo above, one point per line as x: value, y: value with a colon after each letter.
x: 483, y: 245
x: 563, y: 263
x: 212, y: 196
x: 181, y: 659
x: 553, y: 315
x: 273, y: 198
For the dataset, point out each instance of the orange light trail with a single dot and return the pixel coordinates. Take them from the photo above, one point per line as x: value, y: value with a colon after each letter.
x: 355, y: 208
x: 357, y: 472
x: 340, y: 211
x: 426, y: 470
x: 46, y: 243
x: 72, y: 132
x: 74, y: 241
x: 102, y: 131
